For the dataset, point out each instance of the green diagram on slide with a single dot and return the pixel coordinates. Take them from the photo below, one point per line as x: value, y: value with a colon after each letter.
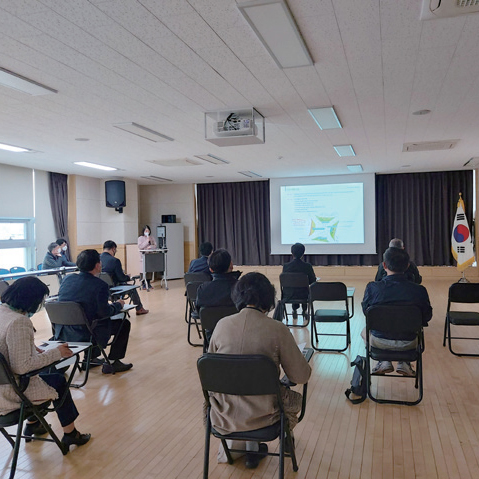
x: 325, y: 230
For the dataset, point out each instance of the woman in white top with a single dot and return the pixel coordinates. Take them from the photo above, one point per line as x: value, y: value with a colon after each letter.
x: 146, y: 241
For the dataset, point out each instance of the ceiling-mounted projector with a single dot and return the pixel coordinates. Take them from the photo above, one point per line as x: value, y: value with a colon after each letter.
x: 235, y: 126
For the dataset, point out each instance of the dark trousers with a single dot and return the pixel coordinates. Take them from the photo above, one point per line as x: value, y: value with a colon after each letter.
x: 135, y: 298
x: 67, y: 412
x: 121, y: 331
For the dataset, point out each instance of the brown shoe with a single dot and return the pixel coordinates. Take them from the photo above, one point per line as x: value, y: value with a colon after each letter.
x: 141, y: 311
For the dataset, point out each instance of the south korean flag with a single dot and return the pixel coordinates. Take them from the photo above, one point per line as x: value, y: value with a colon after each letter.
x: 461, y: 241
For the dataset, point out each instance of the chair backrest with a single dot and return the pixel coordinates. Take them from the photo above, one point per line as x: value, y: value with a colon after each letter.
x: 324, y: 291
x: 293, y: 280
x: 4, y: 271
x: 67, y: 313
x: 202, y: 277
x: 192, y: 289
x: 6, y: 375
x: 39, y: 266
x: 237, y: 374
x: 17, y: 269
x: 210, y: 315
x: 464, y: 293
x: 107, y: 278
x: 394, y: 318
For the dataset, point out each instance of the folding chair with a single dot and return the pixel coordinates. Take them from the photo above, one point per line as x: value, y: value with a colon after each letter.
x: 209, y: 317
x: 246, y: 375
x: 17, y: 269
x: 295, y: 280
x: 25, y: 410
x: 189, y: 278
x: 395, y: 319
x: 326, y: 292
x: 193, y: 318
x: 4, y: 271
x: 69, y: 313
x: 467, y: 293
x: 119, y: 291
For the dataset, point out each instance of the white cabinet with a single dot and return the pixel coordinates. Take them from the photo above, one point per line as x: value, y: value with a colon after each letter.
x: 171, y: 235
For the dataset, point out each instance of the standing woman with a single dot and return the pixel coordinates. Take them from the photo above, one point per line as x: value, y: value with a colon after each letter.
x: 20, y: 301
x: 146, y: 241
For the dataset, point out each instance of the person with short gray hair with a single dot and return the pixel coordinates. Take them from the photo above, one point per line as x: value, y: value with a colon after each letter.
x: 412, y: 273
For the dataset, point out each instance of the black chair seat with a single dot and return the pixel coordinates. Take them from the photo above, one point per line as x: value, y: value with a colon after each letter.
x: 389, y: 355
x: 331, y: 315
x: 12, y: 418
x: 464, y: 318
x: 264, y: 434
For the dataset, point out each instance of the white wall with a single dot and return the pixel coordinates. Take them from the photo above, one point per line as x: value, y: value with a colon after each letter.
x: 95, y: 222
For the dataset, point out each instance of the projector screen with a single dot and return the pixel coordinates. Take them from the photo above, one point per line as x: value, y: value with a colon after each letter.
x: 328, y: 214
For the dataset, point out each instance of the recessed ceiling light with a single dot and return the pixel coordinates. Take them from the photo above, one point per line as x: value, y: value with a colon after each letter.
x: 250, y: 174
x: 421, y: 112
x: 156, y: 178
x: 94, y: 165
x: 216, y: 160
x: 275, y: 27
x: 23, y: 84
x: 406, y: 166
x: 325, y: 118
x: 82, y: 139
x: 344, y: 150
x: 16, y: 149
x: 355, y: 168
x: 142, y: 131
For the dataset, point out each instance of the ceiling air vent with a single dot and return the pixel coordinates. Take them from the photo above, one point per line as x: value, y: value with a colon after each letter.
x: 176, y: 162
x: 429, y: 145
x: 157, y: 178
x: 432, y: 9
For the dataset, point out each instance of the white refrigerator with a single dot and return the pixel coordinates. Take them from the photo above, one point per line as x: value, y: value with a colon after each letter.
x: 171, y: 236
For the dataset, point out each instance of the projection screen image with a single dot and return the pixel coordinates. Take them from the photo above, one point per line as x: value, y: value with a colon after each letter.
x: 322, y: 214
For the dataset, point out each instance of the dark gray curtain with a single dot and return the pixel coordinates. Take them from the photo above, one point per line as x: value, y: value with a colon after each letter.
x: 58, y: 188
x: 416, y: 207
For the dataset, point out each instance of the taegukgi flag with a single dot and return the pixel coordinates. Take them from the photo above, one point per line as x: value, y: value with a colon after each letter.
x: 461, y: 241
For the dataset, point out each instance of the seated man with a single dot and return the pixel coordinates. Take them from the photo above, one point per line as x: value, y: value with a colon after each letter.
x: 251, y: 331
x: 112, y: 266
x: 395, y: 288
x: 92, y: 293
x: 200, y: 265
x: 297, y: 265
x: 54, y: 259
x: 63, y: 247
x: 218, y: 291
x: 412, y: 273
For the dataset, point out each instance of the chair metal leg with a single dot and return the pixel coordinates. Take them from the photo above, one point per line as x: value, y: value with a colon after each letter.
x: 281, y: 448
x: 207, y: 445
x: 315, y: 334
x: 16, y: 448
x: 7, y: 437
x: 190, y: 323
x: 61, y: 446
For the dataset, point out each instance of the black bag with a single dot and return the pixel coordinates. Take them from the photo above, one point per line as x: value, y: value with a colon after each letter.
x: 358, y: 383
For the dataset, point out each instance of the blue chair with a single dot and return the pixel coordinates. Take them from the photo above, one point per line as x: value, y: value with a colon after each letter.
x: 4, y: 271
x: 39, y: 266
x: 17, y: 269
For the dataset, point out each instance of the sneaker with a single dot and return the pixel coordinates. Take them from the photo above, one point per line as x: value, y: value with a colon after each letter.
x: 405, y: 369
x: 253, y: 460
x: 383, y: 367
x: 94, y: 363
x: 116, y: 366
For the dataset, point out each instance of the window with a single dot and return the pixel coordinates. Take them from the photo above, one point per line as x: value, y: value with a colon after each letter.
x: 16, y: 242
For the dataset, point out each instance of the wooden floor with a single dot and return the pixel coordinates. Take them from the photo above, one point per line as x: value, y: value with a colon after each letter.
x: 147, y: 423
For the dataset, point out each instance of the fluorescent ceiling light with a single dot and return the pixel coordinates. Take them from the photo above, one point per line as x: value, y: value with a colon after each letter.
x: 23, y: 84
x: 156, y: 178
x: 94, y: 165
x: 142, y: 131
x: 355, y: 168
x: 216, y: 160
x: 325, y: 118
x: 344, y: 150
x: 274, y: 25
x: 250, y: 174
x: 16, y: 149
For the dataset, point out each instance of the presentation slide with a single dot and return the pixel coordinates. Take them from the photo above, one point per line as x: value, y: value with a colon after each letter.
x: 329, y: 215
x: 313, y: 214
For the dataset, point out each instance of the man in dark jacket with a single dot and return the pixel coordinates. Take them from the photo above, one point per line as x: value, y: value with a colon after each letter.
x: 92, y: 294
x: 395, y: 288
x: 297, y: 265
x: 412, y: 273
x: 112, y: 266
x: 54, y: 259
x: 200, y: 265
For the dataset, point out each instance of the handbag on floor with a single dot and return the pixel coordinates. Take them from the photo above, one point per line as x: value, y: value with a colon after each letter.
x: 358, y: 383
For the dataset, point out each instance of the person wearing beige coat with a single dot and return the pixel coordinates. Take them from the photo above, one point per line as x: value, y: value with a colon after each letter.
x: 251, y: 331
x: 20, y: 301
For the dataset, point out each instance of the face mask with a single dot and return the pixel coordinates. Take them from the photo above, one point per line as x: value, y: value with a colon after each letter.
x: 65, y: 248
x: 146, y: 233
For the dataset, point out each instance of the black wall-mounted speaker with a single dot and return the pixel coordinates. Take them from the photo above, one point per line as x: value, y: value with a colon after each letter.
x: 115, y: 194
x: 168, y: 218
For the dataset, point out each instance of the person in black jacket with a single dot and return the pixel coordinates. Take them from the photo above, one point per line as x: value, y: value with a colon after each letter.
x: 200, y: 265
x: 92, y: 294
x: 112, y: 266
x: 297, y: 265
x: 412, y: 273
